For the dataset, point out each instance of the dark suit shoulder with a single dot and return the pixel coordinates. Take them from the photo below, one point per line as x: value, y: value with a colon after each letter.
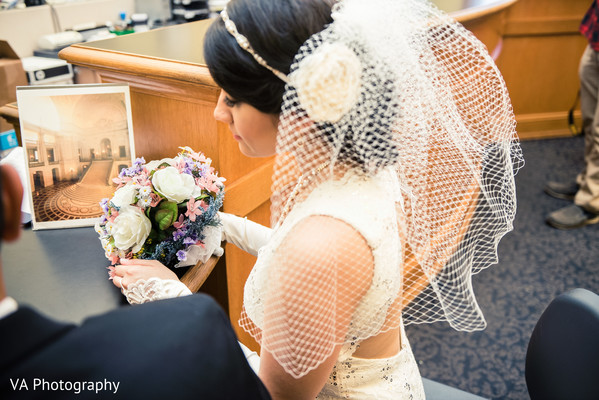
x: 24, y: 333
x: 178, y: 348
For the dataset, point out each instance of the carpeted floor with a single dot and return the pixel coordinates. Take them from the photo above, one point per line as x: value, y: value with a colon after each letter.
x: 536, y: 263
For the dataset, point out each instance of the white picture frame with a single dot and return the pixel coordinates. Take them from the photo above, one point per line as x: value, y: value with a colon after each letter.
x: 76, y: 139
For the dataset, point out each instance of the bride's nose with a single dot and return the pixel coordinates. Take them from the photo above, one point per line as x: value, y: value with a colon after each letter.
x: 221, y: 111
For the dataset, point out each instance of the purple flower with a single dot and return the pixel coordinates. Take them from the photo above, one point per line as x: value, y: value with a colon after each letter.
x: 178, y: 234
x: 182, y: 255
x: 202, y: 169
x: 189, y: 165
x: 188, y: 240
x: 104, y: 204
x: 139, y: 161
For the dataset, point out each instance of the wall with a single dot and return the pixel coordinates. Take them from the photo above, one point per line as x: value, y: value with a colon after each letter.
x: 22, y: 28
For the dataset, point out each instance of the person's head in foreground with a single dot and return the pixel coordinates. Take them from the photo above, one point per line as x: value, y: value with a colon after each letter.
x: 11, y: 192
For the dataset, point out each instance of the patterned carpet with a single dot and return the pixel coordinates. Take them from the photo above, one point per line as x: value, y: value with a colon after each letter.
x: 536, y: 263
x: 67, y: 200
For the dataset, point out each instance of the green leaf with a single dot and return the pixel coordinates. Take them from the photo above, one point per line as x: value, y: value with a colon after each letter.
x: 166, y: 214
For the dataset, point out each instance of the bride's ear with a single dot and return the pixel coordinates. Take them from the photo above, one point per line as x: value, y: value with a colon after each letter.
x: 12, y: 197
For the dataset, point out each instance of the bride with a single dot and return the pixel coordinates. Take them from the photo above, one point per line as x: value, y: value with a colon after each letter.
x: 393, y: 182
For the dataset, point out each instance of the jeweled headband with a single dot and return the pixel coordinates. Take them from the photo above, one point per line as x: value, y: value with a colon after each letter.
x: 244, y: 43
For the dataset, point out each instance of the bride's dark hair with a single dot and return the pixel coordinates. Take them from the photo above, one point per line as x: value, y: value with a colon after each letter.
x: 276, y: 30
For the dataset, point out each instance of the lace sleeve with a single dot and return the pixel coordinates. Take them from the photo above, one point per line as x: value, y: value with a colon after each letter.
x: 316, y: 279
x: 154, y: 289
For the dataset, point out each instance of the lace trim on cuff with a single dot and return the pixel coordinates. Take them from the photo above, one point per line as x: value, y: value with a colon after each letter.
x: 154, y: 289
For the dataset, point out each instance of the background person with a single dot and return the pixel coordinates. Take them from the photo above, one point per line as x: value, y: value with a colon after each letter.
x: 585, y: 190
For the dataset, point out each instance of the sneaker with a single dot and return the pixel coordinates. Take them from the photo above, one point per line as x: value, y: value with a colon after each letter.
x: 571, y: 217
x: 560, y: 190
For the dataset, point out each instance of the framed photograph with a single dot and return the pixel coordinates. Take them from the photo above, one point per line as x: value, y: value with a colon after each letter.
x: 76, y: 139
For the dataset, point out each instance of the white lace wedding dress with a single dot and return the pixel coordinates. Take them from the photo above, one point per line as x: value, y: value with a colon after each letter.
x: 373, y: 216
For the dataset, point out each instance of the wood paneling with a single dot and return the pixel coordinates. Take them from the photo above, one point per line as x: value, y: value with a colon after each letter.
x: 539, y: 62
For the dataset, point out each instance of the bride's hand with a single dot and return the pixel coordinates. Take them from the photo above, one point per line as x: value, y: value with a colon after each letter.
x: 130, y: 271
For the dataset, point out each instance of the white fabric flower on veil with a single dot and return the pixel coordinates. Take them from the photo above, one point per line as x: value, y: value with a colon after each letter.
x: 328, y: 82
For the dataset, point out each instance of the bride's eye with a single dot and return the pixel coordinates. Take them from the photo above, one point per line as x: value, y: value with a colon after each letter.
x: 229, y: 102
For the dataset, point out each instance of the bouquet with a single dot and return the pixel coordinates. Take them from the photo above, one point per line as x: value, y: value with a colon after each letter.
x: 164, y: 210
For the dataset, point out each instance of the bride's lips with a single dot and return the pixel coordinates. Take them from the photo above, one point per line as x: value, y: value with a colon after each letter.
x: 235, y: 136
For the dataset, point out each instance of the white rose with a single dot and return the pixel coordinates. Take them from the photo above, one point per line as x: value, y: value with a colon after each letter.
x: 152, y: 165
x: 175, y: 186
x: 328, y: 82
x: 130, y: 229
x: 124, y: 196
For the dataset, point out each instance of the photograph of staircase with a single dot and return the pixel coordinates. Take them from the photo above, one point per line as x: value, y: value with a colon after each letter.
x: 76, y: 139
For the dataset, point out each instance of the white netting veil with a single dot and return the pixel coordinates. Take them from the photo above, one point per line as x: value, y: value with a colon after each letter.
x: 400, y: 112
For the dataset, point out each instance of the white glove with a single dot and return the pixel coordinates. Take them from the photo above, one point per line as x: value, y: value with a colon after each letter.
x: 243, y: 233
x: 252, y: 357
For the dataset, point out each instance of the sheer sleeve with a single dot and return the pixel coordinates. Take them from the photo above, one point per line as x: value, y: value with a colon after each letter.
x: 318, y: 274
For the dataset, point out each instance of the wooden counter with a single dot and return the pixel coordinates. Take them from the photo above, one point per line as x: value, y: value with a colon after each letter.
x: 539, y: 62
x: 172, y: 100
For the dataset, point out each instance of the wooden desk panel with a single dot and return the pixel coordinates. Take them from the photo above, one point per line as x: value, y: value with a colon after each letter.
x: 541, y: 52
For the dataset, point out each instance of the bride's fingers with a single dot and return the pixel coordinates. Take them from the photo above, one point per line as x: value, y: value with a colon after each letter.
x: 137, y: 261
x: 118, y: 282
x: 134, y: 270
x: 133, y: 266
x: 121, y: 270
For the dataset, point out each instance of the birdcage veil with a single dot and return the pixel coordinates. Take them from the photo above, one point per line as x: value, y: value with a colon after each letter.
x: 397, y: 91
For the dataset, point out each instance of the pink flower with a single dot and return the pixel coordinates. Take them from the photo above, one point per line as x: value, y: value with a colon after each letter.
x: 207, y: 183
x: 181, y: 165
x: 112, y: 216
x: 195, y: 208
x: 179, y: 223
x: 121, y: 181
x: 195, y: 156
x: 155, y: 199
x: 143, y: 180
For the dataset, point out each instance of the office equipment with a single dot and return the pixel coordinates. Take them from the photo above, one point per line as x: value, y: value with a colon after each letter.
x: 43, y: 70
x: 8, y: 140
x: 158, y: 11
x: 59, y: 40
x: 190, y: 10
